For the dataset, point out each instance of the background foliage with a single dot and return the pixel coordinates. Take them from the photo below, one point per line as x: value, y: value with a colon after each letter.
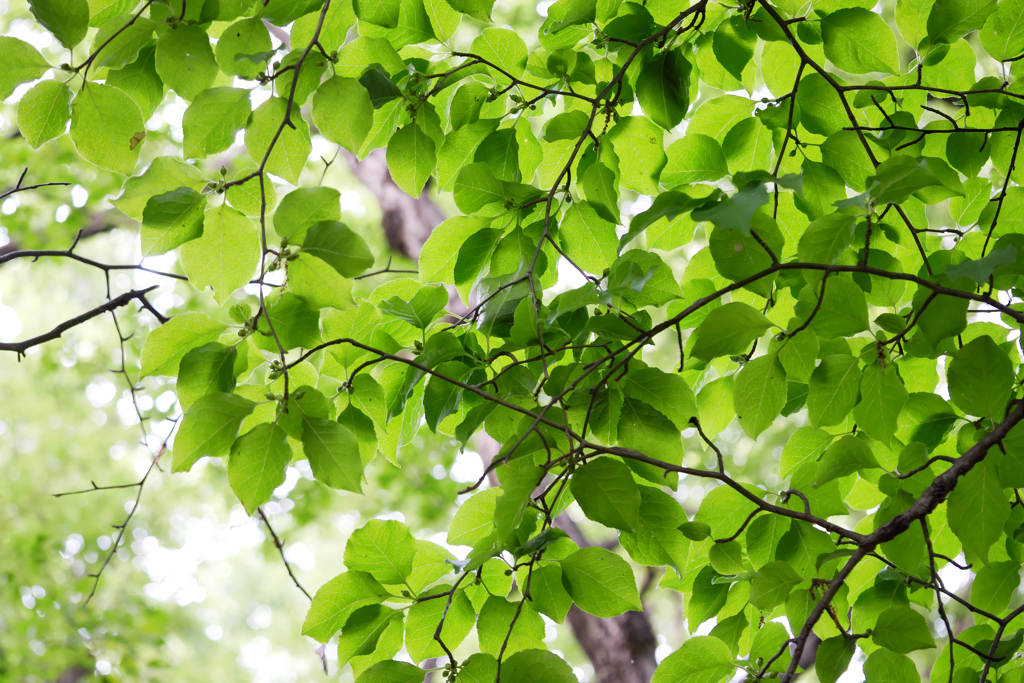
x: 734, y: 289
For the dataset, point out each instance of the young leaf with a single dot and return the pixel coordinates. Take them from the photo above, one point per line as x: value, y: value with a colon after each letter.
x: 335, y: 601
x: 213, y: 118
x: 902, y: 630
x: 225, y: 257
x: 421, y: 310
x: 605, y: 489
x: 185, y: 61
x: 859, y: 41
x: 384, y: 549
x: 832, y: 392
x: 600, y: 582
x: 166, y: 345
x: 333, y: 453
x: 771, y: 586
x: 209, y: 429
x: 663, y: 88
x: 67, y: 20
x: 700, y: 658
x: 980, y: 378
x: 292, y: 147
x: 103, y: 121
x: 343, y: 112
x: 44, y: 112
x: 171, y: 219
x: 729, y: 330
x: 206, y: 370
x: 336, y: 244
x: 411, y: 158
x: 759, y: 394
x: 257, y: 464
x: 22, y: 63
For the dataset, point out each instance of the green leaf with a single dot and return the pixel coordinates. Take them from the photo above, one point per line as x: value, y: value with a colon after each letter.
x: 335, y: 601
x: 120, y: 40
x: 901, y: 176
x: 104, y: 122
x: 884, y: 666
x: 227, y: 254
x: 503, y: 48
x: 44, y: 112
x: 638, y: 143
x: 771, y: 585
x: 302, y: 208
x: 423, y: 619
x: 171, y: 219
x: 735, y: 212
x: 362, y: 631
x: 209, y: 429
x: 391, y: 672
x: 380, y: 12
x: 977, y: 509
x: 994, y: 585
x: 859, y: 41
x: 240, y: 40
x: 478, y: 9
x: 833, y: 389
x: 166, y: 345
x: 67, y: 20
x: 693, y: 158
x: 670, y: 393
x: 206, y: 370
x: 658, y: 539
x: 1003, y: 33
x: 700, y: 659
x: 980, y: 378
x: 213, y: 118
x: 337, y: 245
x: 476, y: 187
x: 833, y: 658
x: 980, y: 270
x: 826, y: 238
x: 729, y: 330
x: 22, y: 63
x: 845, y: 456
x: 411, y: 158
x: 536, y: 666
x: 902, y: 630
x: 295, y: 324
x: 605, y: 489
x: 759, y: 394
x: 292, y: 147
x: 568, y: 126
x: 588, y: 239
x: 498, y: 620
x: 333, y: 453
x: 442, y: 249
x: 384, y: 549
x: 163, y: 175
x: 951, y: 20
x: 600, y: 582
x: 343, y: 112
x: 474, y: 519
x: 663, y: 88
x: 185, y: 61
x: 882, y: 397
x: 257, y: 464
x: 500, y: 151
x: 601, y: 188
x: 424, y: 308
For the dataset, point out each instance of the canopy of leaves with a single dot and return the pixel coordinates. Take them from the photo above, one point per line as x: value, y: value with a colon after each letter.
x: 675, y: 229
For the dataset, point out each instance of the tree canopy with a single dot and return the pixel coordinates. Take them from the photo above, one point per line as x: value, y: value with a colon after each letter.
x: 677, y: 235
